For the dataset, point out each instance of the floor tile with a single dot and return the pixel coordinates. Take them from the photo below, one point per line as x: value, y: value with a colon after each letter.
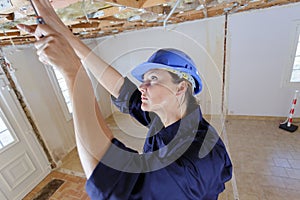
x: 266, y: 162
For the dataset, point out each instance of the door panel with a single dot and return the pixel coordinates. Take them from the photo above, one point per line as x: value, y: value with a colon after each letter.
x: 23, y: 163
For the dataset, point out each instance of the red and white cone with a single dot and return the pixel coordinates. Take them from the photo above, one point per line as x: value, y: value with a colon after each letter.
x: 287, y: 125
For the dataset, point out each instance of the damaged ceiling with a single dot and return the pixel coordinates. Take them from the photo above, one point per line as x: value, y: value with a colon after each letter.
x: 96, y: 18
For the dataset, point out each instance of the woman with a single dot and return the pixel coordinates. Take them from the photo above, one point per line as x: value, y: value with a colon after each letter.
x: 183, y: 156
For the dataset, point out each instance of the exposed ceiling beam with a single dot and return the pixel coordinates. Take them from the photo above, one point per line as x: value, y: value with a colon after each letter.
x: 151, y: 3
x: 129, y: 3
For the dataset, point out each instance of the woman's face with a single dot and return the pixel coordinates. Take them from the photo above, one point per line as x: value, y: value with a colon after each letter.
x: 158, y: 91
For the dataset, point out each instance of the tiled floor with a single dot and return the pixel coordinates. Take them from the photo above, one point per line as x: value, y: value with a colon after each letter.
x: 266, y: 162
x: 71, y: 189
x: 266, y: 159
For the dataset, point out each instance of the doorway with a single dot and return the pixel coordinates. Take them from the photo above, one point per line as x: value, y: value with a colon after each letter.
x: 23, y: 163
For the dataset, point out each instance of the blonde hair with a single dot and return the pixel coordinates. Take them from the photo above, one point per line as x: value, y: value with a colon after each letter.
x: 190, y: 98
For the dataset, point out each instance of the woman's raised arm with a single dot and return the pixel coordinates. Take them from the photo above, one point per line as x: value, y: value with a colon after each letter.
x: 93, y: 137
x: 106, y: 75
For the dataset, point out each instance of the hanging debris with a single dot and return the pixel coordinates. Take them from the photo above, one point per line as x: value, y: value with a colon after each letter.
x: 136, y: 14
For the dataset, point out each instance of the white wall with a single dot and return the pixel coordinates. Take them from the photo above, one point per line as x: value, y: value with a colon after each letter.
x: 32, y: 80
x: 202, y: 40
x: 259, y: 55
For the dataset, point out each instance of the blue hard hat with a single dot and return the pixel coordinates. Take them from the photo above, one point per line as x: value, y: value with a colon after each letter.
x: 170, y: 59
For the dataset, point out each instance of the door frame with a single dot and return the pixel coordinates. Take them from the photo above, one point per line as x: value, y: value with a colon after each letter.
x: 18, y: 120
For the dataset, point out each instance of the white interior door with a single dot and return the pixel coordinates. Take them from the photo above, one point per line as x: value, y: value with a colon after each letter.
x: 23, y: 163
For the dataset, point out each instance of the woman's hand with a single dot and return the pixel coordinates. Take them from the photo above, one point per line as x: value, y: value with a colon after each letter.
x: 47, y: 12
x: 106, y: 75
x: 54, y: 49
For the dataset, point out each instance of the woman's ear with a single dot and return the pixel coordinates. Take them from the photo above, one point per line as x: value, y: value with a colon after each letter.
x: 182, y: 87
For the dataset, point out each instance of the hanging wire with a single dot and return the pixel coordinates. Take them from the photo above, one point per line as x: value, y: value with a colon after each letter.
x: 3, y: 29
x: 12, y: 42
x: 83, y: 8
x: 171, y: 12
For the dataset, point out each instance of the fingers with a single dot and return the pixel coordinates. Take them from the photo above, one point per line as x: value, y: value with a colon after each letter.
x: 30, y: 30
x: 47, y: 49
x: 51, y: 45
x: 40, y: 43
x: 26, y: 28
x: 38, y: 31
x: 45, y: 36
x: 45, y: 42
x: 42, y: 47
x: 44, y: 30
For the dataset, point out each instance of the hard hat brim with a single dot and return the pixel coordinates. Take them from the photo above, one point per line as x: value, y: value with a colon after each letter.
x: 139, y: 71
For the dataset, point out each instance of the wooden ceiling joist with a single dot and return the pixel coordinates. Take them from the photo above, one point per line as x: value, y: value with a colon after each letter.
x: 9, y: 34
x: 91, y: 24
x: 152, y: 3
x: 129, y: 3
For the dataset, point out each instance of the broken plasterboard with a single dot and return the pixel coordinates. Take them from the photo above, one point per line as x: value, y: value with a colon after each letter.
x: 5, y: 5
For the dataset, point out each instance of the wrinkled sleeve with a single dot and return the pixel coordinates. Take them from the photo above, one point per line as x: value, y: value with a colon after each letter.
x: 129, y: 101
x: 127, y: 91
x: 107, y: 182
